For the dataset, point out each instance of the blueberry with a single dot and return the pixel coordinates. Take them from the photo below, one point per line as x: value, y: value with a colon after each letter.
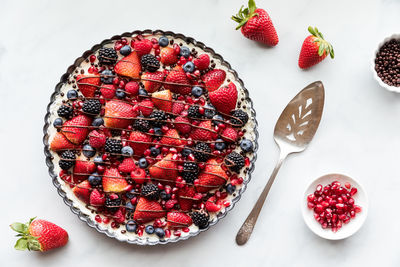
x: 197, y: 91
x: 98, y: 160
x: 88, y: 151
x: 159, y: 232
x: 125, y: 50
x: 163, y: 41
x: 188, y: 66
x: 209, y: 111
x: 220, y: 144
x: 149, y: 229
x: 107, y: 76
x: 95, y: 179
x: 158, y: 131
x: 127, y: 151
x: 164, y: 195
x: 120, y: 93
x: 246, y: 145
x: 217, y: 119
x: 143, y: 163
x: 131, y: 194
x: 230, y: 188
x: 185, y: 51
x: 154, y: 151
x: 143, y: 92
x: 131, y: 226
x: 72, y: 94
x: 130, y: 206
x: 98, y: 122
x: 186, y: 152
x: 58, y: 122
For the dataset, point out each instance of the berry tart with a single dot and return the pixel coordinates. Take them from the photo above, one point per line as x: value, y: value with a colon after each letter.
x: 150, y: 137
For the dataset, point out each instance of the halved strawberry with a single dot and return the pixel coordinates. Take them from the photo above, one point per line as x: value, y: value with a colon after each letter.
x: 182, y: 124
x: 119, y: 114
x: 177, y: 81
x: 171, y: 138
x: 82, y: 191
x: 163, y: 100
x: 212, y: 177
x: 88, y: 84
x: 108, y: 91
x: 168, y: 56
x: 96, y: 139
x: 82, y: 170
x: 129, y: 66
x: 147, y: 211
x: 152, y: 81
x: 185, y: 198
x: 202, y: 62
x: 97, y: 199
x: 203, y: 132
x: 224, y: 99
x: 114, y: 182
x: 143, y: 47
x: 213, y: 79
x: 146, y: 107
x: 60, y: 142
x: 139, y: 142
x: 164, y: 171
x: 229, y: 135
x: 178, y: 219
x: 127, y: 165
x: 76, y: 129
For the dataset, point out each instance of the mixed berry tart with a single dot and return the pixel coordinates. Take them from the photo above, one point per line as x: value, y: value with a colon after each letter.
x: 151, y: 137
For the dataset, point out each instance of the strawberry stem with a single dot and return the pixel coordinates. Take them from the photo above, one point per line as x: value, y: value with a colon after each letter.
x: 26, y: 240
x: 324, y: 46
x: 245, y: 14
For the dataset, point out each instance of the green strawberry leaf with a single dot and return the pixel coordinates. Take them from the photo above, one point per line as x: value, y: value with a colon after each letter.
x: 33, y: 244
x: 21, y: 244
x: 19, y: 227
x: 245, y: 14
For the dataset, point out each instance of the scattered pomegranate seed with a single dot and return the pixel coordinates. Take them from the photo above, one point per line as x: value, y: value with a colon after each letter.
x: 98, y: 218
x: 106, y: 220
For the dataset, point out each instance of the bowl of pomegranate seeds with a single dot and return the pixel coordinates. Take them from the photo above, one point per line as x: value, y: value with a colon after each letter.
x: 334, y: 206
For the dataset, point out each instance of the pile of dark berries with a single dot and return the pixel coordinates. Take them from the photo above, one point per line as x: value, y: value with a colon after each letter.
x: 387, y: 63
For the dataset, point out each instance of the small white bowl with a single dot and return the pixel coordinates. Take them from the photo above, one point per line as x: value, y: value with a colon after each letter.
x: 376, y: 77
x: 348, y: 229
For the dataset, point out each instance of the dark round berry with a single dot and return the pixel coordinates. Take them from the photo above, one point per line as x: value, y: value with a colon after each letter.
x: 154, y: 152
x: 107, y: 76
x: 159, y: 232
x: 130, y: 206
x: 186, y: 152
x: 217, y: 119
x: 200, y: 218
x: 98, y: 122
x: 234, y: 161
x: 246, y: 145
x: 202, y: 151
x: 184, y: 51
x: 120, y: 93
x: 150, y: 191
x: 127, y: 151
x: 163, y: 41
x: 72, y: 94
x: 143, y: 92
x: 158, y: 131
x: 230, y: 188
x: 107, y: 56
x: 131, y: 194
x: 193, y: 112
x: 125, y: 50
x: 65, y: 111
x: 113, y: 203
x: 115, y: 132
x: 91, y: 106
x: 220, y: 144
x: 67, y: 160
x: 188, y: 67
x: 209, y: 111
x: 164, y: 195
x: 95, y: 179
x: 58, y: 122
x: 98, y: 160
x: 239, y: 118
x: 143, y: 163
x: 197, y: 91
x: 141, y: 124
x: 150, y: 63
x: 113, y: 146
x: 190, y: 171
x: 131, y: 226
x: 158, y: 118
x: 149, y: 229
x: 88, y: 151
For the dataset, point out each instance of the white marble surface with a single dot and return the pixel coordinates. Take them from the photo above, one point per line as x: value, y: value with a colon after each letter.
x: 358, y: 136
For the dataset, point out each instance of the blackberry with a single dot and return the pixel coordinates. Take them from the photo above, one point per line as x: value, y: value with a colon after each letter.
x: 67, y: 159
x: 113, y: 146
x: 92, y: 106
x: 65, y: 111
x: 193, y: 112
x: 151, y: 191
x: 141, y: 125
x: 107, y: 56
x: 150, y: 63
x: 201, y: 151
x: 209, y: 111
x: 239, y: 118
x: 190, y: 171
x: 115, y: 132
x: 158, y: 118
x: 200, y: 218
x: 234, y: 161
x: 113, y: 203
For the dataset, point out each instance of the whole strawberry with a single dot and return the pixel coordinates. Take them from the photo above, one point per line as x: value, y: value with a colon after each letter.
x: 39, y: 235
x: 256, y: 24
x: 314, y: 49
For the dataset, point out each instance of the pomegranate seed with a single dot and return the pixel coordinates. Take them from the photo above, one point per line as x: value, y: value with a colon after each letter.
x: 98, y: 218
x: 347, y: 185
x: 357, y: 209
x: 319, y: 188
x: 353, y: 191
x: 185, y: 229
x: 167, y: 233
x: 310, y: 205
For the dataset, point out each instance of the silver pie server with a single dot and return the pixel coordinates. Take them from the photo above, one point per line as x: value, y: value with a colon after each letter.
x: 293, y: 132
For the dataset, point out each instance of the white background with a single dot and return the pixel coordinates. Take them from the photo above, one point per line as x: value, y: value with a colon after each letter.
x: 358, y: 135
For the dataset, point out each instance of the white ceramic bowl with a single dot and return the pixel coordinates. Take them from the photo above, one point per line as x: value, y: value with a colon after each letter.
x: 376, y: 77
x: 348, y: 229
